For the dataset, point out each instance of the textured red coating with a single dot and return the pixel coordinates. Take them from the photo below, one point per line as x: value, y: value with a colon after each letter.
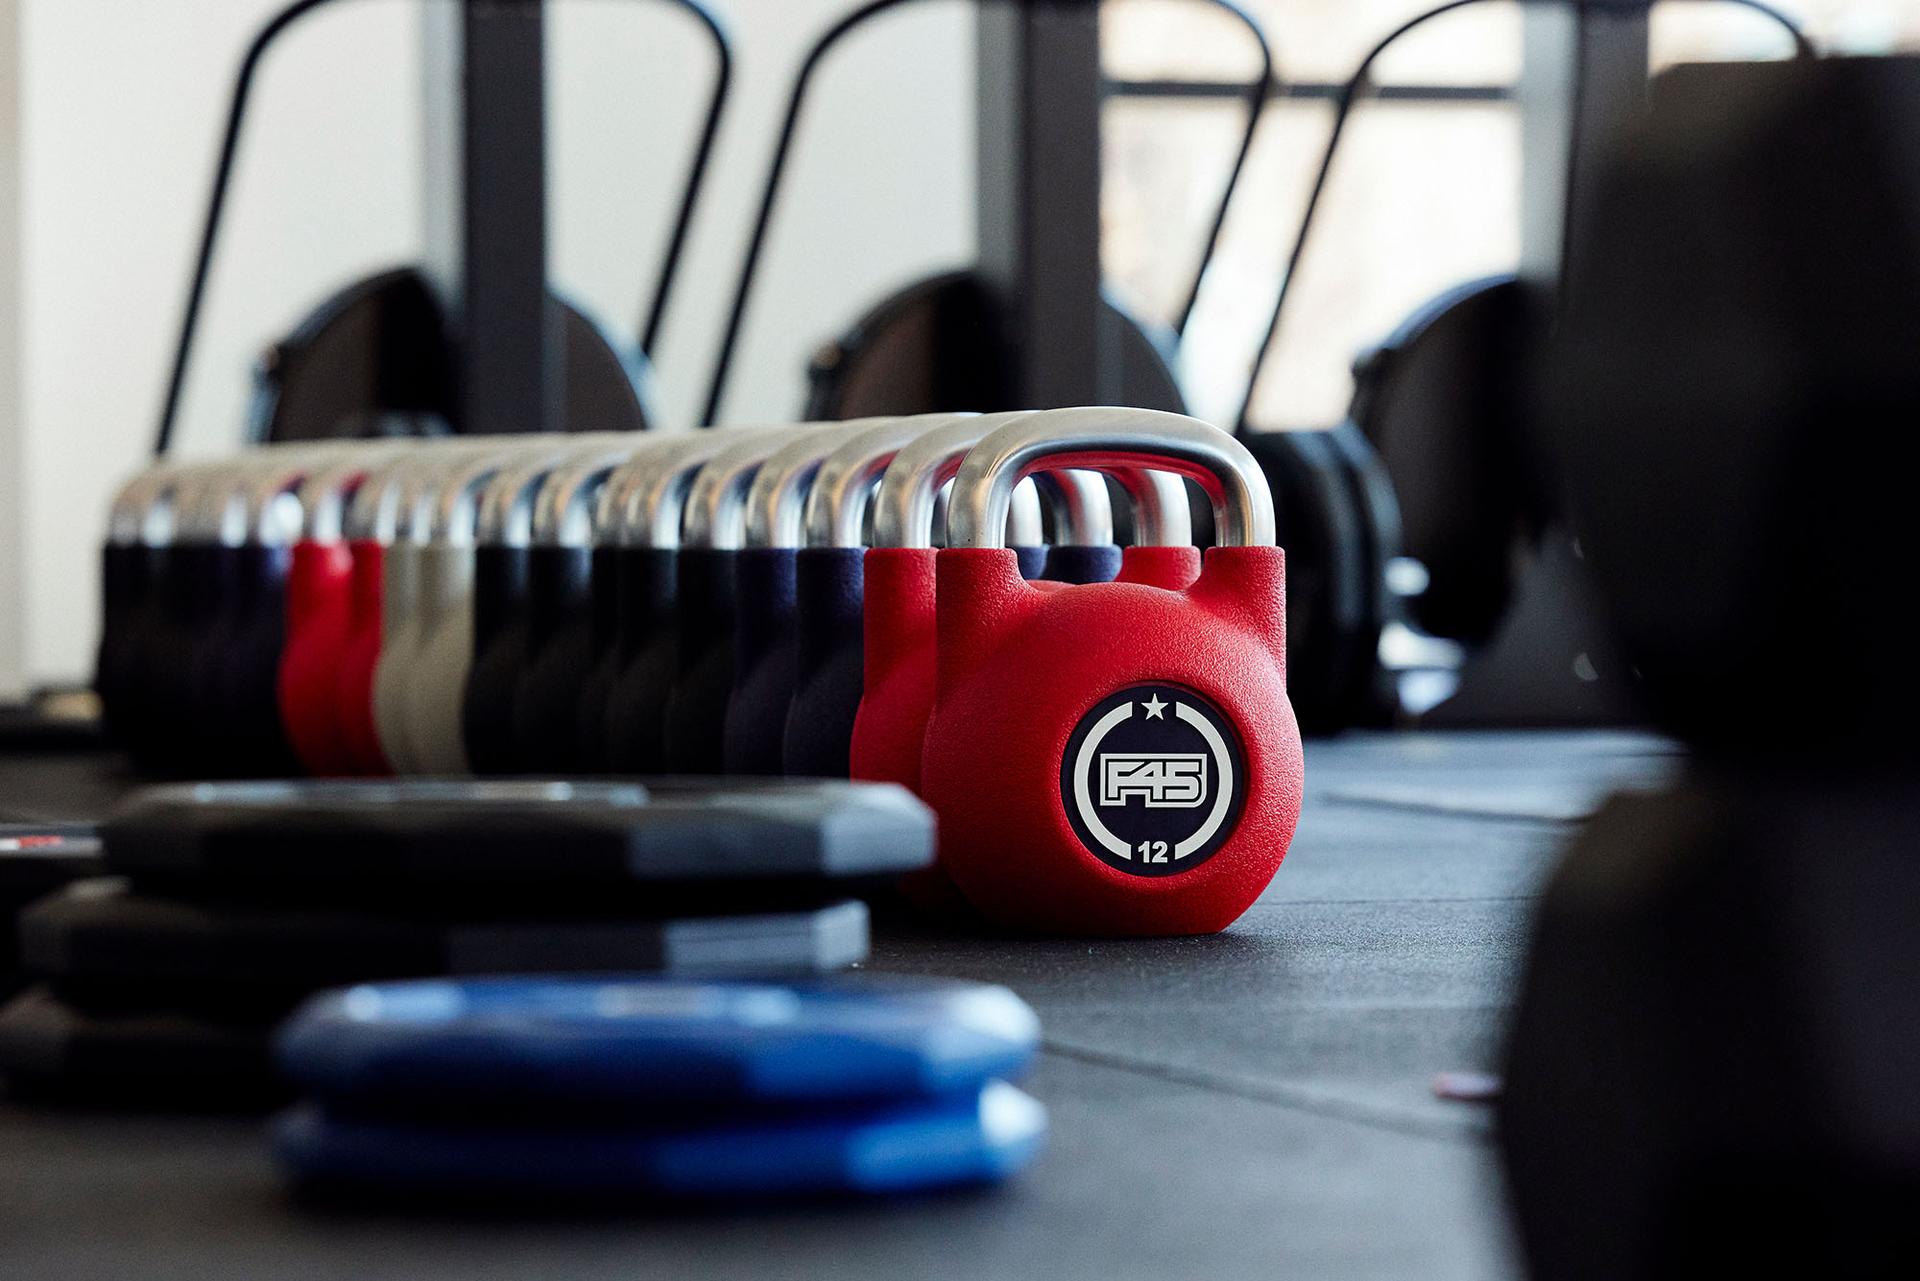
x: 318, y: 609
x: 1018, y: 666
x: 359, y: 653
x: 897, y: 619
x: 891, y: 723
x: 1173, y: 568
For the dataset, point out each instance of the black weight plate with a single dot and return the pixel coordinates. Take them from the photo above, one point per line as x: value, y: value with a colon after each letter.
x: 36, y: 859
x: 941, y: 346
x: 454, y: 840
x: 1440, y: 400
x: 1320, y: 527
x: 379, y: 348
x: 49, y: 1049
x: 116, y: 948
x: 1377, y: 510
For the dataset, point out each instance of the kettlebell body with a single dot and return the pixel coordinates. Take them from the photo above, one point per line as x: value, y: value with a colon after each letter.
x: 560, y: 607
x: 1050, y: 678
x: 642, y: 509
x: 401, y: 635
x: 694, y: 732
x: 359, y: 655
x: 318, y: 586
x: 830, y: 628
x: 438, y: 679
x: 1111, y: 758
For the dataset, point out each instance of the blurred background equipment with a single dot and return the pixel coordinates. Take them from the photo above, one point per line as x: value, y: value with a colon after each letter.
x: 1586, y: 413
x: 474, y: 335
x: 1427, y: 515
x: 1023, y: 330
x: 1715, y: 1063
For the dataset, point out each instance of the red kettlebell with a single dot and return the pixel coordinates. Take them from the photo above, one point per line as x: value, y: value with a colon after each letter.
x: 898, y: 620
x: 318, y: 607
x: 1162, y: 553
x: 373, y: 521
x: 1112, y: 758
x: 899, y: 609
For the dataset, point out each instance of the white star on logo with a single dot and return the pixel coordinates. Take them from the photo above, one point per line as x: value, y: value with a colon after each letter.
x: 1155, y: 708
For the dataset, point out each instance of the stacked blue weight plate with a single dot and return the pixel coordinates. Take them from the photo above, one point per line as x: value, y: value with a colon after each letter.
x: 634, y: 1090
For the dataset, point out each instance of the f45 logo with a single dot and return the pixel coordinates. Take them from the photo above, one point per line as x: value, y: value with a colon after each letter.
x: 1166, y: 780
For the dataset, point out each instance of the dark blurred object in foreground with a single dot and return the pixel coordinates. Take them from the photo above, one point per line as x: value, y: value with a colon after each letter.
x: 1735, y: 392
x: 1714, y: 1068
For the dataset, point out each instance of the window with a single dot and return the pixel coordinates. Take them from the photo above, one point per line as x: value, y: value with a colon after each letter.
x: 1424, y: 195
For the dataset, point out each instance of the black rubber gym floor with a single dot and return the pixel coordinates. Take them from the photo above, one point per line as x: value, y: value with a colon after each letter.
x: 1256, y: 1104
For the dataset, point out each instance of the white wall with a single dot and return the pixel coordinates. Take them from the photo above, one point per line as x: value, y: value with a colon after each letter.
x: 13, y: 631
x: 121, y: 100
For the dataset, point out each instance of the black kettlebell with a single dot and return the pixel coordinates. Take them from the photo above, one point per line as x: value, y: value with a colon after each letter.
x: 765, y: 621
x: 693, y: 734
x: 646, y: 502
x: 502, y: 559
x: 560, y: 607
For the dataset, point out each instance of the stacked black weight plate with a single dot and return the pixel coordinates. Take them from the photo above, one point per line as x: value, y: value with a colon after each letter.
x: 36, y: 859
x: 223, y: 906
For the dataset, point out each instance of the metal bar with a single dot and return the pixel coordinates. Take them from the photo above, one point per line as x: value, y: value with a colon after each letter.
x: 1038, y: 140
x: 1310, y: 91
x: 1584, y: 74
x: 810, y: 63
x: 697, y: 167
x: 483, y: 72
x: 216, y: 204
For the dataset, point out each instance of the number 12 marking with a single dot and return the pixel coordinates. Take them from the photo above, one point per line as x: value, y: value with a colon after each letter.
x: 1153, y: 851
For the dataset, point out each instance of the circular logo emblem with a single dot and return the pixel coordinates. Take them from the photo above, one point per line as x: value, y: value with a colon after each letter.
x: 1153, y: 779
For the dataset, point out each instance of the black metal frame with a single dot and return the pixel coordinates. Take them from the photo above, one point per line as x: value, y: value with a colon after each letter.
x: 1305, y: 91
x: 1357, y: 86
x: 1004, y: 52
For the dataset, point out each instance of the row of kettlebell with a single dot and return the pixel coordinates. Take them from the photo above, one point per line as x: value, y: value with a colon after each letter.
x: 352, y: 575
x: 747, y: 601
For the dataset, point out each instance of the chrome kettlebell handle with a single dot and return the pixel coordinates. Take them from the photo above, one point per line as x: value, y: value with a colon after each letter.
x: 265, y: 507
x: 455, y: 520
x: 564, y: 507
x: 136, y: 515
x: 506, y: 502
x: 777, y: 499
x: 909, y: 489
x: 327, y: 491
x: 1104, y: 438
x: 644, y: 501
x: 836, y: 508
x: 716, y: 508
x: 1082, y: 510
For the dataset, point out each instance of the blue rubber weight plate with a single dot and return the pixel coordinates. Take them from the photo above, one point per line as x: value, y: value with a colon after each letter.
x: 635, y: 1043
x: 978, y: 1137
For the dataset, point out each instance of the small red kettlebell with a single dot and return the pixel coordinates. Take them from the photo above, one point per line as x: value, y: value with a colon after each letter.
x: 1111, y: 758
